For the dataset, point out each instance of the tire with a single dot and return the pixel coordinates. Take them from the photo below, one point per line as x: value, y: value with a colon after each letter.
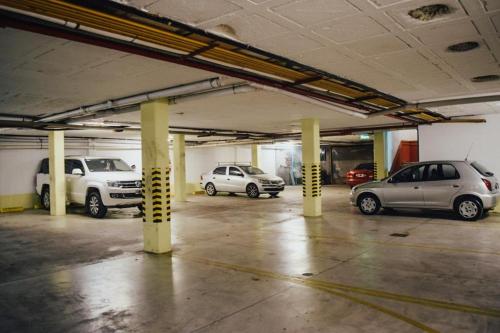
x: 45, y: 198
x: 469, y: 208
x: 253, y: 191
x: 210, y: 189
x: 95, y: 207
x: 368, y: 204
x: 274, y: 194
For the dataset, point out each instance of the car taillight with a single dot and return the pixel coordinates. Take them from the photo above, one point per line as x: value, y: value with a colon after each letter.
x: 487, y: 183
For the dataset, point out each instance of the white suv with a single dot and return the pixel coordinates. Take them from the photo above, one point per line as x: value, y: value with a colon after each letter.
x: 241, y: 178
x: 96, y: 182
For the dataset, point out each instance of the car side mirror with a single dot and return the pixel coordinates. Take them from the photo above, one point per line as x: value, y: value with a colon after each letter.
x: 77, y: 172
x: 392, y: 181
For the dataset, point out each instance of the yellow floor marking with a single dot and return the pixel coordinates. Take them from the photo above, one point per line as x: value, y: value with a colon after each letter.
x: 346, y: 288
x: 301, y: 281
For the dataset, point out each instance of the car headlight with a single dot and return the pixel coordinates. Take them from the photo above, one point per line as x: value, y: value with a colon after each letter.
x: 264, y: 181
x: 113, y: 184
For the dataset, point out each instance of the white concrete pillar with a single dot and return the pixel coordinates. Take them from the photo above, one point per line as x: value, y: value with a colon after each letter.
x: 155, y: 176
x: 311, y: 167
x: 57, y: 183
x: 179, y: 168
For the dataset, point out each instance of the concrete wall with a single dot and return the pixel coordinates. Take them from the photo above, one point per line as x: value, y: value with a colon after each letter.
x: 19, y: 163
x: 453, y: 141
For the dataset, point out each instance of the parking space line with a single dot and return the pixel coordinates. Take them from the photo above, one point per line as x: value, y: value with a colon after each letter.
x: 297, y: 280
x: 337, y: 287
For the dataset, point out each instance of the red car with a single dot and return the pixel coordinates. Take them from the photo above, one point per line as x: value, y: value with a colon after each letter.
x: 361, y: 174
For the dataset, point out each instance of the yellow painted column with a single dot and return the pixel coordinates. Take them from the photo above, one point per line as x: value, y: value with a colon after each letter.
x: 179, y: 167
x: 379, y: 155
x: 57, y: 178
x: 311, y: 167
x: 155, y: 176
x: 255, y: 155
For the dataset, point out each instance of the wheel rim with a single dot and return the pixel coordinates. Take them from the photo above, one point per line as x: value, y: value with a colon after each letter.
x: 46, y: 199
x: 368, y: 205
x: 94, y: 205
x: 210, y: 189
x: 253, y: 190
x: 468, y: 209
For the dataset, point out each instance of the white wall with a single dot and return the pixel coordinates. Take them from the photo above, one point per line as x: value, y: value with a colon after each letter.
x: 453, y: 141
x: 200, y: 160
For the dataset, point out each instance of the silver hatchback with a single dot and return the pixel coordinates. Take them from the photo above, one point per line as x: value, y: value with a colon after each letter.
x: 467, y: 188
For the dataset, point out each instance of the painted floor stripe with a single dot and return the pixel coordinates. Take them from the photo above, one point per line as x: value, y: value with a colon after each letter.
x: 300, y: 281
x: 346, y: 288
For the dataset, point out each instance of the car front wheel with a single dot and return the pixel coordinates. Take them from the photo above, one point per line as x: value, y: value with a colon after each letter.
x: 469, y: 208
x: 368, y: 204
x: 253, y: 191
x: 94, y: 205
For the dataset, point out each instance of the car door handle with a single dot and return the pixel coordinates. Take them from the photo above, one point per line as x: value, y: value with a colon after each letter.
x: 456, y: 186
x: 416, y: 187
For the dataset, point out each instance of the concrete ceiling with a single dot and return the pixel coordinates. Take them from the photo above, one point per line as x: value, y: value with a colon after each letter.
x: 372, y: 42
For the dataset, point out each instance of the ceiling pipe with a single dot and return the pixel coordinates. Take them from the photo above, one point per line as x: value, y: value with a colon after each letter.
x: 135, y: 99
x: 314, y: 101
x: 133, y: 103
x: 439, y: 103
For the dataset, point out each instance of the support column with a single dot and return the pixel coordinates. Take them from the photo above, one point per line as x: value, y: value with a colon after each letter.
x: 379, y: 155
x: 311, y: 167
x: 255, y: 155
x: 179, y: 168
x: 155, y: 176
x: 57, y: 178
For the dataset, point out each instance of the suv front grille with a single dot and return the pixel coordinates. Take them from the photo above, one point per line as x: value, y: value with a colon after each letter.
x: 130, y: 184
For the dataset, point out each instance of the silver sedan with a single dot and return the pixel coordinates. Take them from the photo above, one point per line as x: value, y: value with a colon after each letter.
x: 467, y: 188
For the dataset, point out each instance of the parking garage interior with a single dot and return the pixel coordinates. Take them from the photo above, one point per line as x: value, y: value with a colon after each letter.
x: 310, y: 91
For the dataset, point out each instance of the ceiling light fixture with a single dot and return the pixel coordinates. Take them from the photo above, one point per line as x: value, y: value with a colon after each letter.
x: 427, y: 13
x: 486, y: 78
x: 463, y: 47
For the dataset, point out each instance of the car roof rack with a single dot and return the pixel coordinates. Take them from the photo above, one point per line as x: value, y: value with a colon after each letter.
x: 235, y: 163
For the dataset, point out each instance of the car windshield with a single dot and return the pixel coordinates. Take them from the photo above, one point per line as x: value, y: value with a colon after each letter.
x: 106, y: 165
x: 252, y: 170
x: 364, y: 166
x: 481, y: 169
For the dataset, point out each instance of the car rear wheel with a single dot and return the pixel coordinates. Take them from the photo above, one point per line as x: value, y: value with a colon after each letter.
x: 45, y: 198
x: 95, y: 206
x: 253, y: 191
x: 210, y: 189
x: 368, y: 204
x: 469, y: 208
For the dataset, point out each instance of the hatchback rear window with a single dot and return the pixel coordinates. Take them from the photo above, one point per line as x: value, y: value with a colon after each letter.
x: 364, y: 166
x: 481, y: 169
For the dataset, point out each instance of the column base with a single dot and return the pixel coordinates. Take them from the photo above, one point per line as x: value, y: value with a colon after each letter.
x: 157, y: 237
x: 312, y: 207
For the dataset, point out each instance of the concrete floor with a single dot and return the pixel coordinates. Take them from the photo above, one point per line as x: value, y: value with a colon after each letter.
x: 242, y: 265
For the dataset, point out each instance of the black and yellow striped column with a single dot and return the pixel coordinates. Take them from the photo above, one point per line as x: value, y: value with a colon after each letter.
x: 311, y: 167
x: 155, y: 176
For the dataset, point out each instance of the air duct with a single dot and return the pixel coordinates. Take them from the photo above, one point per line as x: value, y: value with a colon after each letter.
x: 136, y: 99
